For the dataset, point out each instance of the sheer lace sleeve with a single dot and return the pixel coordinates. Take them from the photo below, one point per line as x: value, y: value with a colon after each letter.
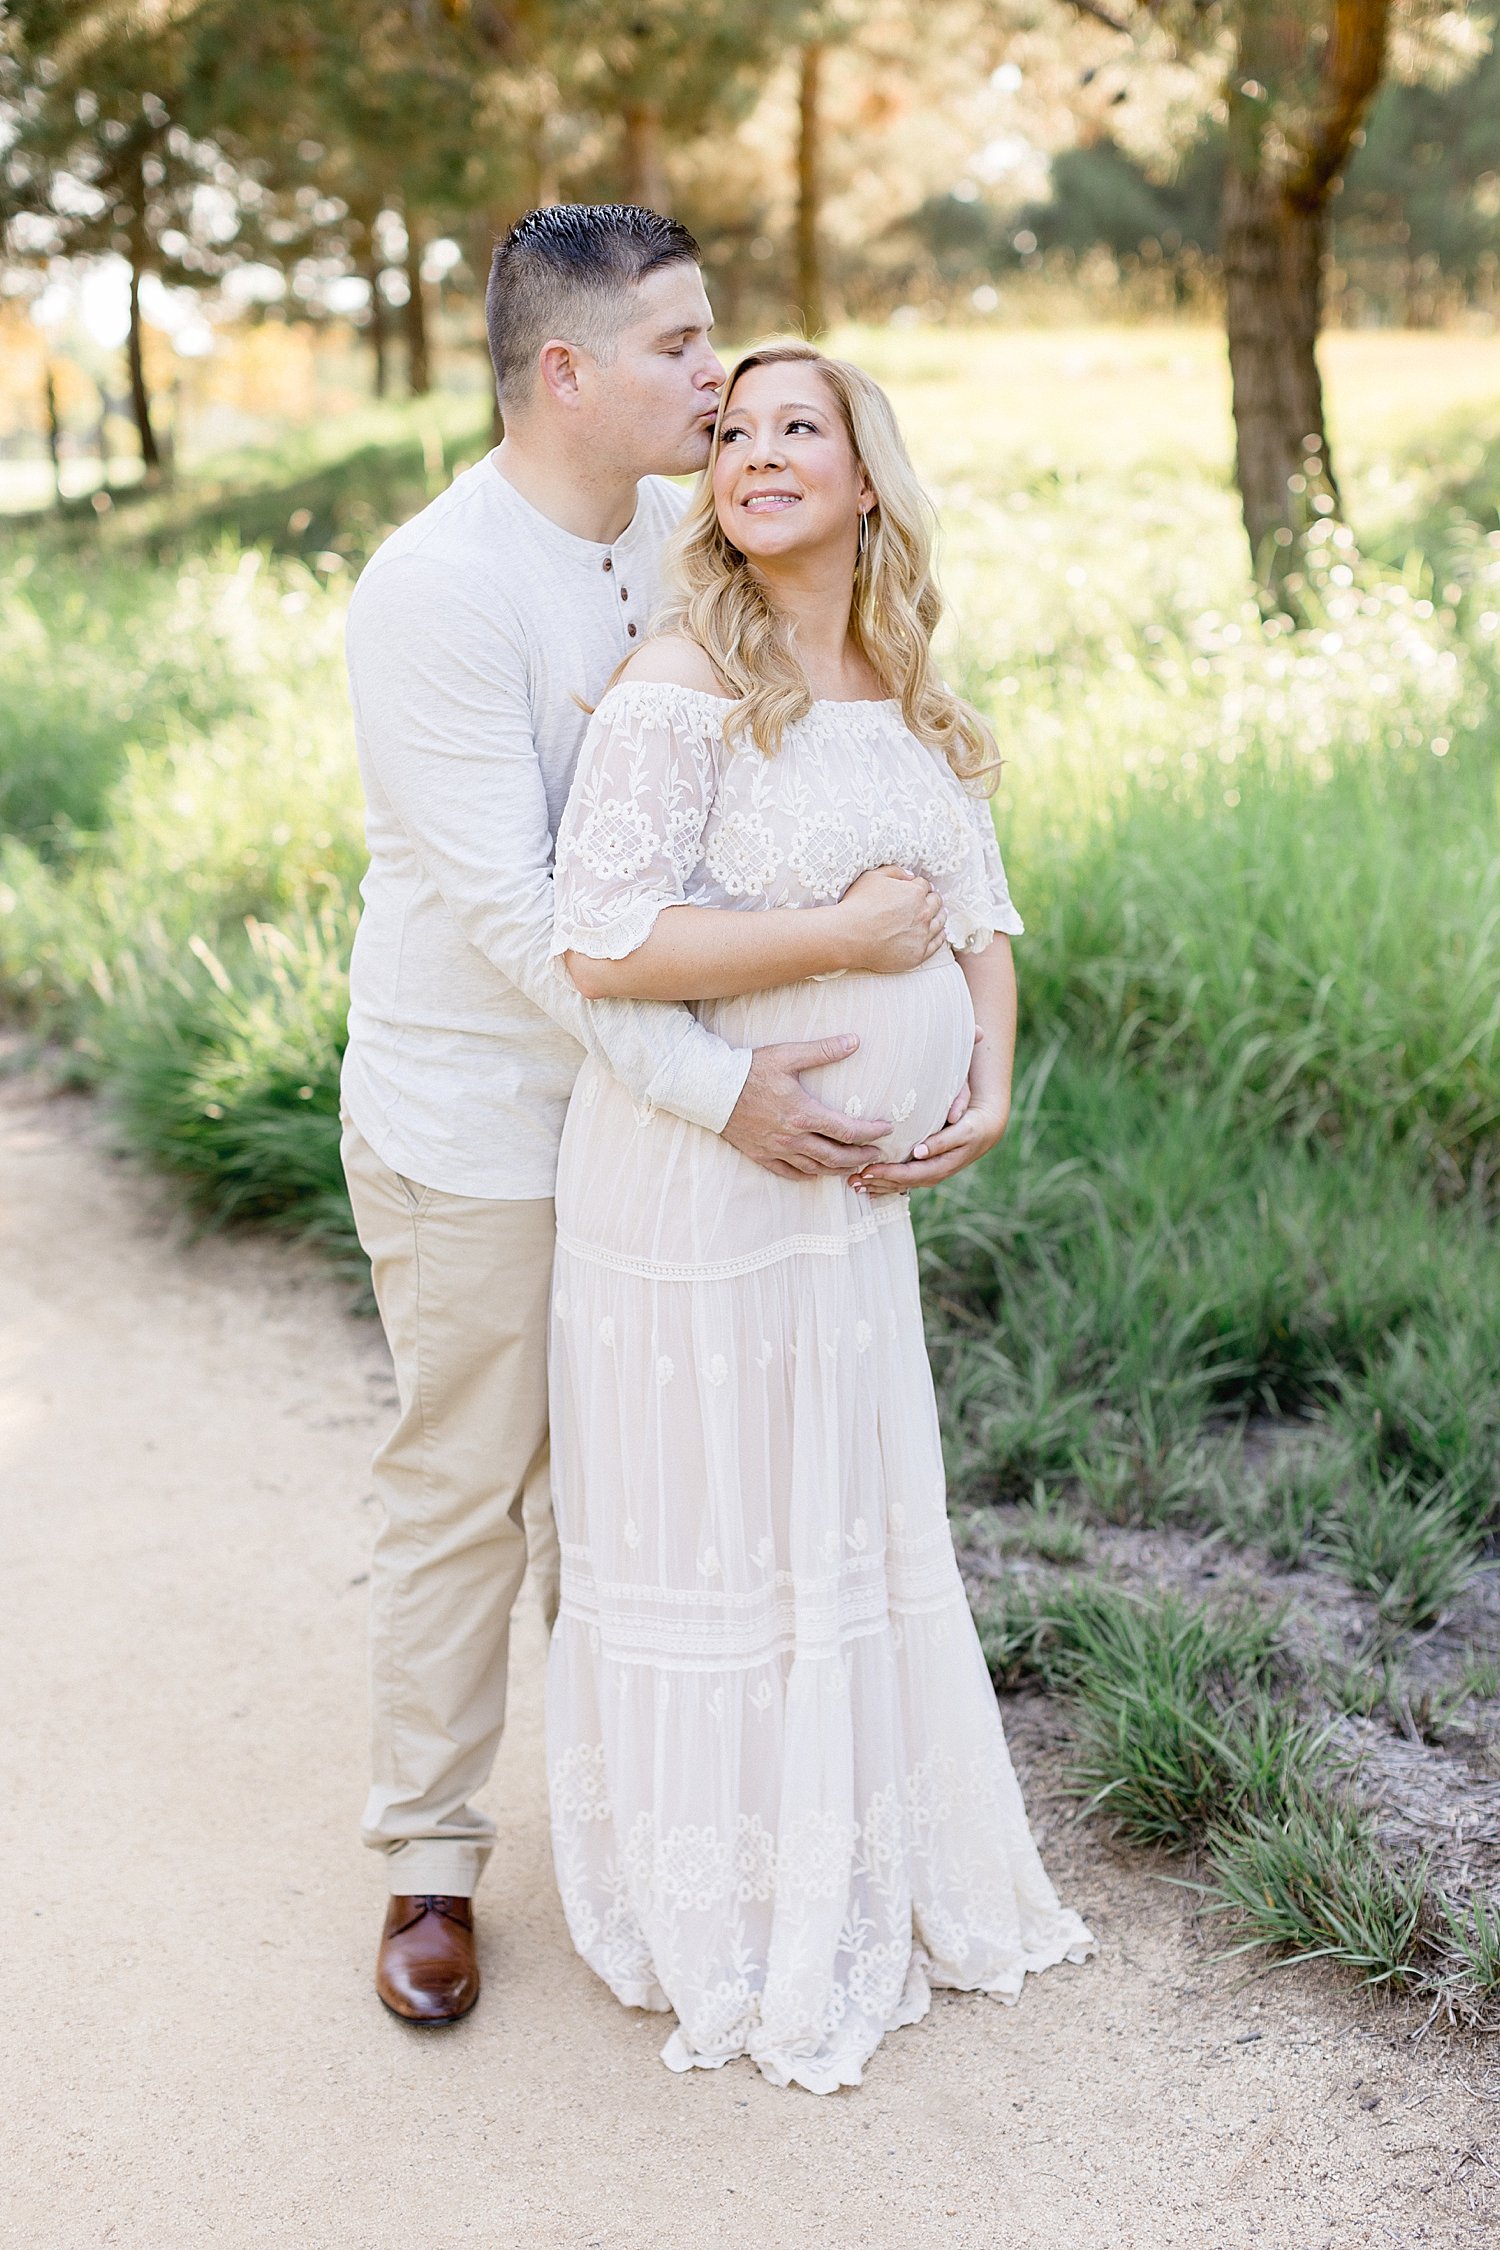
x: 973, y: 885
x: 632, y: 830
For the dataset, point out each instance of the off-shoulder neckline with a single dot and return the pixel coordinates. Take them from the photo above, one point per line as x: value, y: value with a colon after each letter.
x: 728, y: 702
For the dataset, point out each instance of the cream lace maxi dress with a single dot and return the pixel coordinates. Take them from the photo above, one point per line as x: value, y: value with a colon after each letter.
x: 782, y: 1804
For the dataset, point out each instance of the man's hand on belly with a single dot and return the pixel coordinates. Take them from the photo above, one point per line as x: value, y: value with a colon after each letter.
x: 779, y: 1125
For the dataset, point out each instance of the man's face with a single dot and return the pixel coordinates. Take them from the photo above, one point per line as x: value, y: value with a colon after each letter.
x: 651, y: 408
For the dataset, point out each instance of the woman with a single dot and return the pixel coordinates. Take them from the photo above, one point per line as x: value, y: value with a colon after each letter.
x: 782, y: 1803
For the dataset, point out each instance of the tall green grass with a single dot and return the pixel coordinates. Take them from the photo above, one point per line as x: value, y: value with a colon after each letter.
x: 1257, y: 1126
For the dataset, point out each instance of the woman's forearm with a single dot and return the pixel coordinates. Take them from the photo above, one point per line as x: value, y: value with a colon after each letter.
x: 707, y: 953
x: 991, y: 978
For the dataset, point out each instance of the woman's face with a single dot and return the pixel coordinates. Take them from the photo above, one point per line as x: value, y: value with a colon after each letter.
x: 786, y: 480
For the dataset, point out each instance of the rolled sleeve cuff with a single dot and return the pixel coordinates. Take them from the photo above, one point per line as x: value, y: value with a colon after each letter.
x: 702, y: 1080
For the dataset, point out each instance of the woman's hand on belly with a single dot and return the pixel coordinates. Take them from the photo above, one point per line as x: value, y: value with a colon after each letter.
x: 980, y: 1112
x: 977, y: 1129
x: 892, y: 921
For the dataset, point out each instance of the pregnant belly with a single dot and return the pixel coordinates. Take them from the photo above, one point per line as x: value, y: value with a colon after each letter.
x: 915, y: 1032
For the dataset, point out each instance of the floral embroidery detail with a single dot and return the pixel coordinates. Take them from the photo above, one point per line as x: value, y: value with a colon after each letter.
x: 826, y: 855
x: 660, y: 811
x: 685, y: 838
x: 884, y: 1870
x: 742, y: 854
x: 945, y: 835
x: 854, y: 1107
x: 577, y: 1783
x: 616, y: 841
x: 890, y: 842
x: 560, y: 1304
x: 645, y: 1110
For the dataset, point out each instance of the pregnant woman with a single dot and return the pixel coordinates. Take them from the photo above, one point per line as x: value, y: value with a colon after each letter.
x: 782, y: 1802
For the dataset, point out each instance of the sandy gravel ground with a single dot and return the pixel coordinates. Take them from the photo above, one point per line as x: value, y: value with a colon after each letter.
x: 192, y: 2053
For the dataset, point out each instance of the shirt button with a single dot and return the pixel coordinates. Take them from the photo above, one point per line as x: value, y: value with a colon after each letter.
x: 608, y: 564
x: 630, y: 629
x: 624, y: 593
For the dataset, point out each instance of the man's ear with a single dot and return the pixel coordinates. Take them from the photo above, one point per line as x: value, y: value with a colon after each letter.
x: 557, y: 364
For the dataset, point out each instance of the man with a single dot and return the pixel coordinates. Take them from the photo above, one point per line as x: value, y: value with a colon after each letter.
x: 476, y: 636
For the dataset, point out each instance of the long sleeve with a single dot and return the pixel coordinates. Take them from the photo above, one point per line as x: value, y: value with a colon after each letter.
x: 443, y: 704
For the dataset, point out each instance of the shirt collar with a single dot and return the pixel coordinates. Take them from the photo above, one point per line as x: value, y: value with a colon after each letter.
x: 585, y: 554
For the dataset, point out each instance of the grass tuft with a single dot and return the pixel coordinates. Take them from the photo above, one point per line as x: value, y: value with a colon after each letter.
x: 1311, y: 1882
x: 1416, y: 1555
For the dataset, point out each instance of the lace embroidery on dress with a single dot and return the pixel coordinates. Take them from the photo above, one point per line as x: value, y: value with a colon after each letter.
x: 782, y: 1804
x: 664, y: 813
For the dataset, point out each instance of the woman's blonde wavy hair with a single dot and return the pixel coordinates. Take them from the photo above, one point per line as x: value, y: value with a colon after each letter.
x: 715, y: 599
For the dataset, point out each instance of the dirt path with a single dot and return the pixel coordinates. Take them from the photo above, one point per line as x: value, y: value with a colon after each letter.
x: 192, y: 2052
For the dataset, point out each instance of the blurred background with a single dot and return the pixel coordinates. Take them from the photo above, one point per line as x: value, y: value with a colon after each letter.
x: 1189, y: 313
x: 221, y: 217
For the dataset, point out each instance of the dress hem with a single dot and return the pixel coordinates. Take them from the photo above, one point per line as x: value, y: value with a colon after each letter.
x: 828, y: 2074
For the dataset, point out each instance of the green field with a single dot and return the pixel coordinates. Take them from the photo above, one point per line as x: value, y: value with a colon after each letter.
x: 1232, y: 1286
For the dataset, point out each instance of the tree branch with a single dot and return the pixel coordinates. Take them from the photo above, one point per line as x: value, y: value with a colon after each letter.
x: 1353, y: 66
x: 1091, y: 9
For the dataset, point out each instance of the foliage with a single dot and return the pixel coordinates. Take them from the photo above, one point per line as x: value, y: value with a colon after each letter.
x: 1251, y: 1158
x: 1416, y: 1554
x: 1311, y: 1880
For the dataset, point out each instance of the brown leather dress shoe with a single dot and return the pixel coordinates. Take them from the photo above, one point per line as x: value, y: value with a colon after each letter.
x: 426, y: 1972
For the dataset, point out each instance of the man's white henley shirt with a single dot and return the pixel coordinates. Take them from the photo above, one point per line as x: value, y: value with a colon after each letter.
x: 473, y: 633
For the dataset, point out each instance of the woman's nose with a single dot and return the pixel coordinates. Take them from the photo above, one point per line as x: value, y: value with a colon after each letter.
x: 767, y: 453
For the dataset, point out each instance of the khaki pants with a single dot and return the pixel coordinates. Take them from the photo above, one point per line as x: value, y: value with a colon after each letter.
x: 463, y: 1286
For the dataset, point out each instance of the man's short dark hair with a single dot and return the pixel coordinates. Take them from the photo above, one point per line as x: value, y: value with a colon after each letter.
x: 567, y: 271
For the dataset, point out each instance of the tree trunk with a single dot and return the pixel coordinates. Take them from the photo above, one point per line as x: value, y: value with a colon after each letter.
x: 1273, y: 260
x: 140, y: 402
x: 809, y: 194
x: 418, y: 362
x: 1300, y: 86
x: 645, y: 158
x: 377, y: 329
x: 54, y: 433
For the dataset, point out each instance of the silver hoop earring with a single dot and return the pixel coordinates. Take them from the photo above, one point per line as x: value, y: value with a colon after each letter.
x: 864, y: 532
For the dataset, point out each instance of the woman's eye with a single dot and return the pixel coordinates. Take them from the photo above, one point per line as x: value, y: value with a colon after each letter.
x: 727, y: 437
x: 800, y: 424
